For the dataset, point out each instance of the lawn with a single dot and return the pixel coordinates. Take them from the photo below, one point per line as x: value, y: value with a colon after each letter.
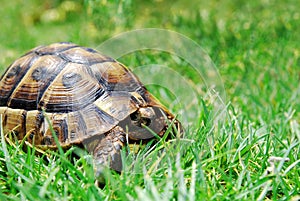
x: 250, y: 151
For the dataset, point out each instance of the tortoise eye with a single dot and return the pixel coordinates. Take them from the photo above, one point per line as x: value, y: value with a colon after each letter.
x: 69, y: 79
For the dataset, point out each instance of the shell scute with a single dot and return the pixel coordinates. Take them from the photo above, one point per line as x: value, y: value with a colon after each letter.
x: 13, y: 75
x: 34, y: 121
x: 35, y: 81
x: 14, y: 120
x: 115, y: 77
x: 71, y: 90
x: 117, y: 104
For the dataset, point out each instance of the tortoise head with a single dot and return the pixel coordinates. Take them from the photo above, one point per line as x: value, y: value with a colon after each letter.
x: 145, y: 121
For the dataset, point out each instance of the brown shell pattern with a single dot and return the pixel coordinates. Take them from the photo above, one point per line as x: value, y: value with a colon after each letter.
x: 82, y: 92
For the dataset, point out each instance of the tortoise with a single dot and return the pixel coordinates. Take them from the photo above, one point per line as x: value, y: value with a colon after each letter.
x: 85, y: 97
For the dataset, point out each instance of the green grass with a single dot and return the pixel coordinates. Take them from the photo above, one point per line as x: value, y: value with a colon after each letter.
x: 255, y: 47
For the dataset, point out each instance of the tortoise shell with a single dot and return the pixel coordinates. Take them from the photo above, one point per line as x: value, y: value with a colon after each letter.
x: 81, y: 95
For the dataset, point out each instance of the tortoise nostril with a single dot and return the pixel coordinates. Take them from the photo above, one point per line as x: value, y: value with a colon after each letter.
x: 134, y: 116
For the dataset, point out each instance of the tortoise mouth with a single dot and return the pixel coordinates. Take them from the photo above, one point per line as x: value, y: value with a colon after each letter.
x: 145, y: 123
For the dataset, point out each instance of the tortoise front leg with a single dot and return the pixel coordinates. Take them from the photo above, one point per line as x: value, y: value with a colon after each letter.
x: 106, y: 149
